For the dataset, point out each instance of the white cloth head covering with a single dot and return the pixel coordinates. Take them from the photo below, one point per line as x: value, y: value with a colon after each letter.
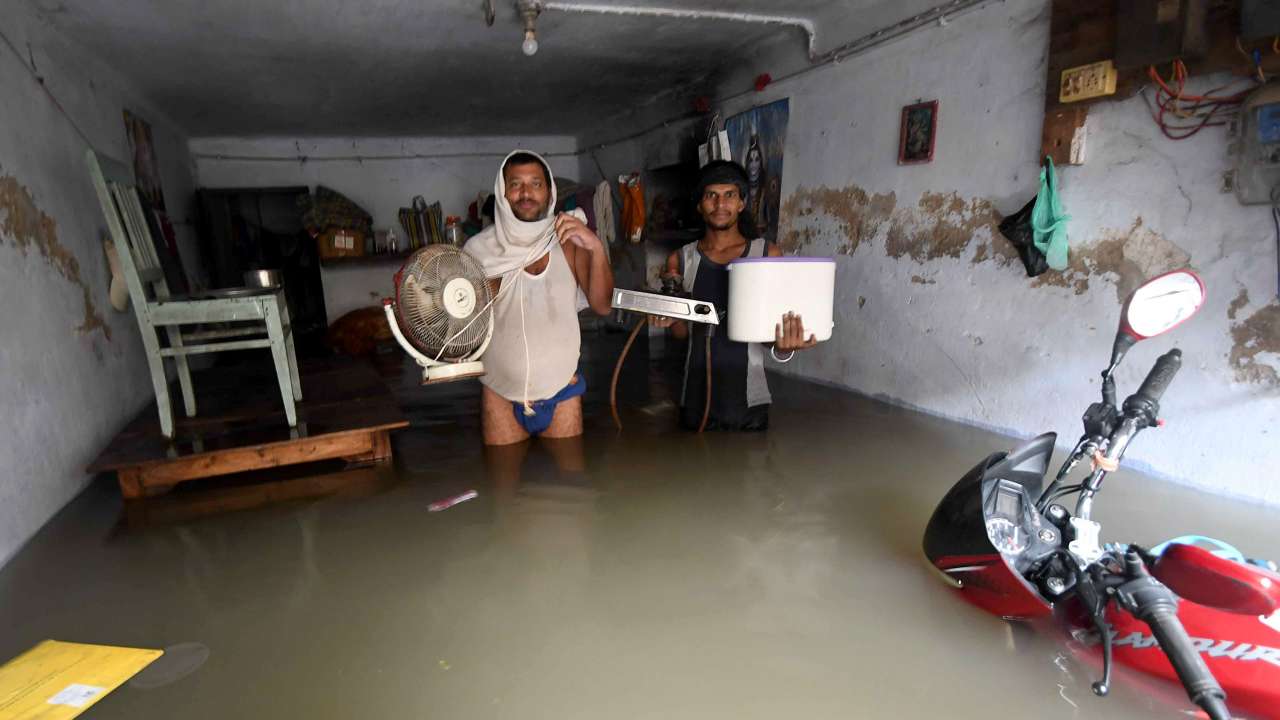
x: 511, y: 243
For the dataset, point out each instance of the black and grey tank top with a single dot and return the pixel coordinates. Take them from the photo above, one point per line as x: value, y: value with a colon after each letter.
x: 737, y: 369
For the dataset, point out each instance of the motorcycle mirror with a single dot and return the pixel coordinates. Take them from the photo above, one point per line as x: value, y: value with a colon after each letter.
x: 1157, y: 306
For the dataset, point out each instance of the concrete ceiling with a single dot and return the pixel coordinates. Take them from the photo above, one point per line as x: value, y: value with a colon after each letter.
x: 424, y: 67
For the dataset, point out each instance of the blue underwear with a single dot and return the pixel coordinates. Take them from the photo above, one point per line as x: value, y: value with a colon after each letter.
x: 545, y: 410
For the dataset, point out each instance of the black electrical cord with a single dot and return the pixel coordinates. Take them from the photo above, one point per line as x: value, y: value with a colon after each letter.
x: 622, y: 357
x: 706, y: 407
x: 617, y: 369
x: 1275, y: 218
x: 1062, y: 492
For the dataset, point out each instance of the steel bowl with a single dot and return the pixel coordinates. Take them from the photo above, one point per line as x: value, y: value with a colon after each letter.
x: 266, y: 279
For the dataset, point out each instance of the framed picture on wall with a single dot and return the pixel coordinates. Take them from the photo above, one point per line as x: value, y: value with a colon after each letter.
x: 919, y: 127
x: 145, y: 168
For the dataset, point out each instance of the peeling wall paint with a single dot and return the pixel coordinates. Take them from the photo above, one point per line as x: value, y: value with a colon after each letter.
x: 72, y: 370
x: 935, y: 311
x: 939, y: 225
x: 29, y: 227
x: 1255, y: 338
x: 1128, y: 257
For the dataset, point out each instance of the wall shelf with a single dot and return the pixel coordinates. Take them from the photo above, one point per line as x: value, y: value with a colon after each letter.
x: 360, y: 260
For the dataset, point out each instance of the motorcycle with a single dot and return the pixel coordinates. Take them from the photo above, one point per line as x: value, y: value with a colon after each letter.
x: 1007, y: 544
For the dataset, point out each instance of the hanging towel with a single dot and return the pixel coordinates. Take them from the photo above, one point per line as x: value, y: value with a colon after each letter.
x: 632, y: 206
x: 606, y: 229
x: 1049, y: 221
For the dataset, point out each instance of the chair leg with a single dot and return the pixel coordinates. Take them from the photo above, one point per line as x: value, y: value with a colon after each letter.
x: 184, y: 370
x: 293, y: 357
x: 155, y: 361
x: 279, y: 352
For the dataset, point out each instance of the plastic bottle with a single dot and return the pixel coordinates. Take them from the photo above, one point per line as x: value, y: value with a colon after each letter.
x: 453, y: 230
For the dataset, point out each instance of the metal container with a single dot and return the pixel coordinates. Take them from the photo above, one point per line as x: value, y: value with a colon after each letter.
x: 266, y: 279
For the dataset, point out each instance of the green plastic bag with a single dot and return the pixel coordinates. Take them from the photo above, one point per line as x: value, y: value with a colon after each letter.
x: 1048, y: 221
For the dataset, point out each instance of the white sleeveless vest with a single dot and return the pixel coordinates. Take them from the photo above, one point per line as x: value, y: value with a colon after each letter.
x: 550, y: 325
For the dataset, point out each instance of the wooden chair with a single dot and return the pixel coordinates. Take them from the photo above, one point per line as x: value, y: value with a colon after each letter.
x: 256, y: 318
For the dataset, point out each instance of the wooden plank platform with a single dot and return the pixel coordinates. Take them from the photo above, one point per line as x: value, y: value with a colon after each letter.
x: 191, y: 503
x: 347, y: 413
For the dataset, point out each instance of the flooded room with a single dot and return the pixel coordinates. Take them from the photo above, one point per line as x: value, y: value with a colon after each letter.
x: 525, y: 359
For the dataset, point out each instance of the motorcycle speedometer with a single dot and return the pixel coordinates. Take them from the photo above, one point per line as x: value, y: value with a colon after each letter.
x: 1006, y: 536
x: 1007, y: 517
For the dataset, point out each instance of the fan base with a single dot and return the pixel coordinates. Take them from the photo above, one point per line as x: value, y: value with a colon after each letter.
x: 452, y: 371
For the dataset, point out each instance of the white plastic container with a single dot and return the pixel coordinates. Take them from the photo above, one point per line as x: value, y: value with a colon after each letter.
x: 762, y: 290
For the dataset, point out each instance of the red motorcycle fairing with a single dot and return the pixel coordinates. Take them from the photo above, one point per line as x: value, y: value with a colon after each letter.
x: 957, y: 543
x: 988, y: 582
x: 1204, y: 578
x: 1242, y: 652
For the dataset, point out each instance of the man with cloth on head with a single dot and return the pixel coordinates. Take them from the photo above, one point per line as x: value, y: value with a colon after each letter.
x: 739, y: 393
x: 538, y: 266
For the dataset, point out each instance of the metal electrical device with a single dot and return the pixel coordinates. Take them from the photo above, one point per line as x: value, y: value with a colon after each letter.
x: 672, y: 306
x: 1257, y: 176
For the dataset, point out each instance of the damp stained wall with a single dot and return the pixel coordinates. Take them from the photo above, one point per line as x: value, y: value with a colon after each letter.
x: 381, y: 187
x: 72, y: 369
x: 933, y: 310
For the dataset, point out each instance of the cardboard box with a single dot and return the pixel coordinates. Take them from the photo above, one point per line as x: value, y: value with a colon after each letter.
x: 340, y: 243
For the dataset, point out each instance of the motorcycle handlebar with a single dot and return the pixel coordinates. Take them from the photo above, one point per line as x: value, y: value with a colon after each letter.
x: 1157, y: 381
x: 1199, y: 683
x: 1151, y: 602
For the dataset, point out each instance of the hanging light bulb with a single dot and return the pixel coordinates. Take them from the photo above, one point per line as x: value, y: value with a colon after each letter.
x: 529, y: 10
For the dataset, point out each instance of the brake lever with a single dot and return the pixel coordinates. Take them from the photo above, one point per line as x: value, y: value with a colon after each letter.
x: 1095, y: 600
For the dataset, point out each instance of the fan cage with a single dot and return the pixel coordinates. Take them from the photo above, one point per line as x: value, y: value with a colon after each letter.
x: 421, y: 304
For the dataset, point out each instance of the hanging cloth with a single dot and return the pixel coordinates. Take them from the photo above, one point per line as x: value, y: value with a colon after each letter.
x: 632, y: 206
x: 606, y: 229
x: 1049, y: 221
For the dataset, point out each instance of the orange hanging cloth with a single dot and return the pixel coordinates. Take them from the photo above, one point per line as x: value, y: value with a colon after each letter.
x: 632, y: 206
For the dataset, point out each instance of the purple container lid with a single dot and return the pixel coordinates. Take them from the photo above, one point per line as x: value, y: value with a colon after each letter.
x: 784, y: 259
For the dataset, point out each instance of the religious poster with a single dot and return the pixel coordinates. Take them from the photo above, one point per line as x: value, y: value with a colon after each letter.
x: 756, y: 138
x: 146, y: 173
x: 145, y: 168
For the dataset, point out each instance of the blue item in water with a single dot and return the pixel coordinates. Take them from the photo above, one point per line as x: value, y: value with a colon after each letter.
x: 545, y: 410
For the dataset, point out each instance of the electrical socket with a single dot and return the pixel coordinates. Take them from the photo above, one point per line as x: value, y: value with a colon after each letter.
x: 1087, y: 81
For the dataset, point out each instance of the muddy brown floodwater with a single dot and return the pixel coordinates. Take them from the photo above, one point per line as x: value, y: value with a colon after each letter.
x: 652, y: 574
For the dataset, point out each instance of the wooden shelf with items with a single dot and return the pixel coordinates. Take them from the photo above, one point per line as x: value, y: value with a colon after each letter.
x: 353, y: 260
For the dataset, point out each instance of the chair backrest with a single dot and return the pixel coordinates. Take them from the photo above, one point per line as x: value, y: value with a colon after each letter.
x: 127, y: 222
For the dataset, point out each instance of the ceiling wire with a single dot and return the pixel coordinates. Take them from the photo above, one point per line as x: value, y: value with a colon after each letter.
x: 941, y: 14
x: 938, y: 14
x: 304, y: 158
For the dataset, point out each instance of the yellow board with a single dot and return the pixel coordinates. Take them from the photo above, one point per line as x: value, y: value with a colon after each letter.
x: 1088, y: 81
x: 59, y: 680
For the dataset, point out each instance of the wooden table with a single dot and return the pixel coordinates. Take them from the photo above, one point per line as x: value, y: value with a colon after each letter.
x: 347, y: 413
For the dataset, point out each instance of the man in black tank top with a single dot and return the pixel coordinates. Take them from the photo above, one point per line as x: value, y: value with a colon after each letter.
x: 739, y: 397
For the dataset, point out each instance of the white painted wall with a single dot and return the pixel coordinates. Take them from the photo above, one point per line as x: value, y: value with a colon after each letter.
x: 64, y: 392
x: 975, y: 339
x: 381, y: 187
